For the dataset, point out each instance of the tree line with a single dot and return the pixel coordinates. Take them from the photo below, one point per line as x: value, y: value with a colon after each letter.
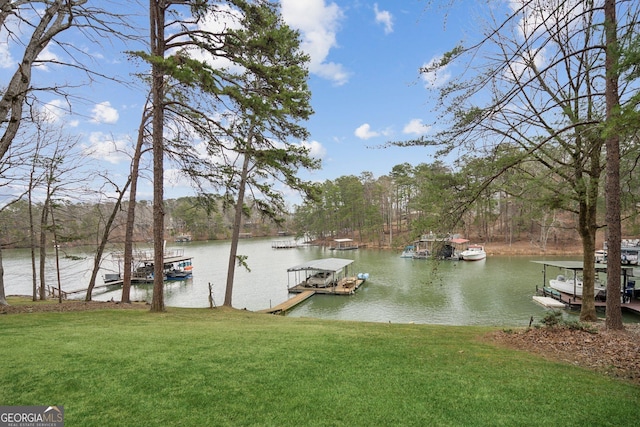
x: 81, y: 223
x: 396, y: 209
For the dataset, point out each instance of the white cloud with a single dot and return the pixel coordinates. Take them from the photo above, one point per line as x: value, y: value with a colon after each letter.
x: 521, y: 66
x: 105, y: 147
x: 416, y: 127
x: 537, y: 17
x: 104, y: 113
x: 222, y: 17
x: 316, y: 149
x: 46, y: 55
x: 175, y: 178
x: 365, y: 132
x: 384, y: 17
x: 6, y: 60
x: 53, y: 111
x: 318, y: 24
x: 438, y: 77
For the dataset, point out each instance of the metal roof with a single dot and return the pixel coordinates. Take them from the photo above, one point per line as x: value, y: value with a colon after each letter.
x: 324, y: 264
x: 577, y: 265
x: 458, y: 241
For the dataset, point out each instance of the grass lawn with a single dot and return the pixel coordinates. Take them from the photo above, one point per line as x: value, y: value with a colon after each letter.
x: 199, y: 367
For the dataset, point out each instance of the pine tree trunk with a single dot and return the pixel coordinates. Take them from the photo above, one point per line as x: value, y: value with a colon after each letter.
x: 614, y: 227
x: 228, y: 293
x: 157, y: 9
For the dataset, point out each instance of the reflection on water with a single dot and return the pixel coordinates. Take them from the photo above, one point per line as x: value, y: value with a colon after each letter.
x: 496, y: 291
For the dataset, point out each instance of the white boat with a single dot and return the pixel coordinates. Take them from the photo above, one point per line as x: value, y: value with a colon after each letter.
x: 573, y: 287
x: 408, y: 251
x: 320, y: 279
x: 473, y: 253
x: 629, y: 255
x: 176, y: 267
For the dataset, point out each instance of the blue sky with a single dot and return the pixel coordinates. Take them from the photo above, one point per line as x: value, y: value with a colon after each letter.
x: 366, y: 88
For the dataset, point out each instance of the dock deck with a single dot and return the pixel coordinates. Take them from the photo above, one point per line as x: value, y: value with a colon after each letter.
x: 345, y: 286
x: 575, y: 303
x: 284, y: 244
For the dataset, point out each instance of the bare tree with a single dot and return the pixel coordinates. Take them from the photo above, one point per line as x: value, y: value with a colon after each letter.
x: 131, y: 209
x: 102, y: 243
x: 12, y: 190
x: 39, y: 23
x: 61, y: 180
x: 543, y: 74
x: 32, y: 27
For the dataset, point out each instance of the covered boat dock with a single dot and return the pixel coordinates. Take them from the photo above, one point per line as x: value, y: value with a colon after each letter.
x: 344, y: 245
x: 325, y: 276
x: 627, y: 287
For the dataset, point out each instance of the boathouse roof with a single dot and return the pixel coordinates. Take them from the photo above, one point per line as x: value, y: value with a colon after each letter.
x: 579, y: 265
x: 324, y: 264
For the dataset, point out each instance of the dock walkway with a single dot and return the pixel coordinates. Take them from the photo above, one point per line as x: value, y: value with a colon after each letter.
x: 288, y: 304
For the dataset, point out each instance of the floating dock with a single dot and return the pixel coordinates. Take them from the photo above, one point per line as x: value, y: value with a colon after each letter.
x: 548, y: 302
x: 284, y: 244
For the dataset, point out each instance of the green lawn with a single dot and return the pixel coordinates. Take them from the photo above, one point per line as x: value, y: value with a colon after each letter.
x: 199, y: 367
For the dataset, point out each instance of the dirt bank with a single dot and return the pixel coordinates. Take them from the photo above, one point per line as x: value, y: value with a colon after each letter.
x: 528, y: 248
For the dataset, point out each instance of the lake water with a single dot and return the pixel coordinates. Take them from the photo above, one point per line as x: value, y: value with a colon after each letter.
x: 496, y: 291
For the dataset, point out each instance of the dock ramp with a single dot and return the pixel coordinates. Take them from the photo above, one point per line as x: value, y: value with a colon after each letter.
x: 288, y: 304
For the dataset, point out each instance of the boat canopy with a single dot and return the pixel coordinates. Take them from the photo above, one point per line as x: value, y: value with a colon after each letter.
x: 576, y: 266
x: 324, y: 264
x: 579, y: 265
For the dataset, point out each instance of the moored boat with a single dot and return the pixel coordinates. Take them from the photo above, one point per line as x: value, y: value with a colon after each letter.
x: 473, y: 253
x: 176, y: 266
x: 408, y: 252
x: 573, y: 286
x: 630, y: 255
